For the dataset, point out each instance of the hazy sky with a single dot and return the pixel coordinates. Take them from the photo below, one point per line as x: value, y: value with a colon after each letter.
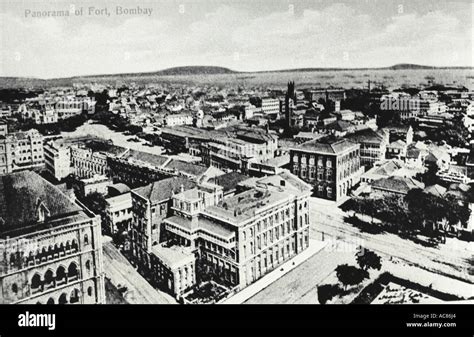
x: 242, y: 35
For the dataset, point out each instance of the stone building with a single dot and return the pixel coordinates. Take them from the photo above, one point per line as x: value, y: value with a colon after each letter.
x: 247, y: 235
x: 332, y: 166
x: 150, y: 206
x: 51, y: 248
x: 21, y: 151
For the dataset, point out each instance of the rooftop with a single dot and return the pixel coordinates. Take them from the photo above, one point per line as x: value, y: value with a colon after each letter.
x: 164, y: 189
x: 23, y: 195
x: 229, y: 180
x: 173, y: 256
x: 186, y: 167
x: 397, y: 184
x: 145, y: 157
x: 327, y: 146
x: 245, y: 205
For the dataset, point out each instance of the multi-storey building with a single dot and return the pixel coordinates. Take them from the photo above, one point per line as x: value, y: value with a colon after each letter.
x: 21, y: 151
x: 373, y: 145
x: 90, y: 158
x: 233, y: 154
x: 332, y: 166
x: 51, y: 249
x: 118, y: 209
x: 247, y: 235
x: 57, y: 159
x: 270, y: 106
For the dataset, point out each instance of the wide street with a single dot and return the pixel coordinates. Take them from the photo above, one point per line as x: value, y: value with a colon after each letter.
x: 403, y: 257
x: 455, y: 258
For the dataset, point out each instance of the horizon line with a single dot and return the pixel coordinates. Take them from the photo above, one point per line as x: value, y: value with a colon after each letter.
x: 241, y: 71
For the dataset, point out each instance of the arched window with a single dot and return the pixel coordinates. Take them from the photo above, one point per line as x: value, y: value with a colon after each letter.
x: 86, y: 239
x: 36, y: 282
x: 12, y: 259
x: 68, y: 245
x: 50, y: 252
x: 14, y: 288
x: 88, y: 265
x: 49, y: 279
x: 61, y: 274
x: 50, y: 301
x: 74, y: 298
x: 74, y: 246
x: 62, y: 299
x: 89, y: 291
x: 72, y: 271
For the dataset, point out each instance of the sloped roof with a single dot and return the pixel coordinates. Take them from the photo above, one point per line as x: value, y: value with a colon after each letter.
x: 397, y: 184
x: 186, y: 167
x: 366, y: 136
x: 327, y: 146
x: 437, y: 190
x: 164, y: 189
x: 22, y: 193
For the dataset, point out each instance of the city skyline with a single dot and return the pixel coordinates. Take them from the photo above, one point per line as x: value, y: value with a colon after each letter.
x: 246, y: 37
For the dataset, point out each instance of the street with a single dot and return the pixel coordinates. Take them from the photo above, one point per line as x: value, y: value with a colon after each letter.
x: 402, y: 257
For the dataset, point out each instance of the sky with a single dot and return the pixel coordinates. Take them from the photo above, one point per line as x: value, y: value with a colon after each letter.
x: 243, y: 35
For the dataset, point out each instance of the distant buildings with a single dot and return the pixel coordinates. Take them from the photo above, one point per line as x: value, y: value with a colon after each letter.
x: 52, y: 248
x: 332, y: 166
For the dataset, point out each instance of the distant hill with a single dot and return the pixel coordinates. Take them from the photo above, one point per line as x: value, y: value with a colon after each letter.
x: 23, y: 82
x: 175, y: 71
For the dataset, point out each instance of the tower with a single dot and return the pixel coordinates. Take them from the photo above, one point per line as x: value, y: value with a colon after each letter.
x: 290, y: 94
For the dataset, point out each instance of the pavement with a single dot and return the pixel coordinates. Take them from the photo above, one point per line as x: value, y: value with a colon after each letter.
x: 271, y: 277
x: 120, y: 272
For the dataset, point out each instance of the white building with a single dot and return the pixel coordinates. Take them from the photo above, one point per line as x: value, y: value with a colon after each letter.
x: 57, y: 157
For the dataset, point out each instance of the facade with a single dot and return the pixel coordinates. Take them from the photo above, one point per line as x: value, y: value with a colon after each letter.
x: 57, y: 159
x: 178, y: 119
x: 373, y: 146
x: 118, y: 213
x: 90, y: 158
x: 247, y: 235
x: 21, y: 151
x: 53, y: 251
x: 270, y: 106
x: 150, y: 206
x: 331, y: 166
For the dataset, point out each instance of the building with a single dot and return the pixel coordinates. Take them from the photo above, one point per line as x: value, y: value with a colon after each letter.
x: 57, y: 159
x: 90, y: 158
x: 270, y: 106
x: 52, y: 250
x: 95, y: 184
x: 21, y: 151
x: 151, y: 204
x: 394, y: 185
x: 373, y: 146
x: 118, y: 210
x: 332, y: 166
x: 247, y: 235
x: 178, y: 119
x: 234, y: 153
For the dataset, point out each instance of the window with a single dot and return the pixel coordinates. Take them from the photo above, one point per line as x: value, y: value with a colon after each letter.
x: 88, y: 265
x: 89, y: 291
x: 86, y: 239
x: 14, y: 288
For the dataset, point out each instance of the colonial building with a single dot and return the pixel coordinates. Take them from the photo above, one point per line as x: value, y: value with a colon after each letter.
x: 21, y: 151
x: 118, y: 209
x: 150, y: 206
x: 90, y: 158
x: 373, y: 146
x: 247, y: 235
x: 332, y: 166
x: 57, y: 158
x: 51, y: 248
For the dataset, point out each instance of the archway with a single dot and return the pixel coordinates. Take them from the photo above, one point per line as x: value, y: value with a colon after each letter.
x: 62, y: 299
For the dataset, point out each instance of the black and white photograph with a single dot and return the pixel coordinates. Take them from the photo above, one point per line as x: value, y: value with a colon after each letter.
x: 275, y: 156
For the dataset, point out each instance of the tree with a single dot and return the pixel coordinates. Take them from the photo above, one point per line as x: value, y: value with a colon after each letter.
x: 95, y: 202
x: 350, y: 275
x: 326, y: 292
x: 368, y: 259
